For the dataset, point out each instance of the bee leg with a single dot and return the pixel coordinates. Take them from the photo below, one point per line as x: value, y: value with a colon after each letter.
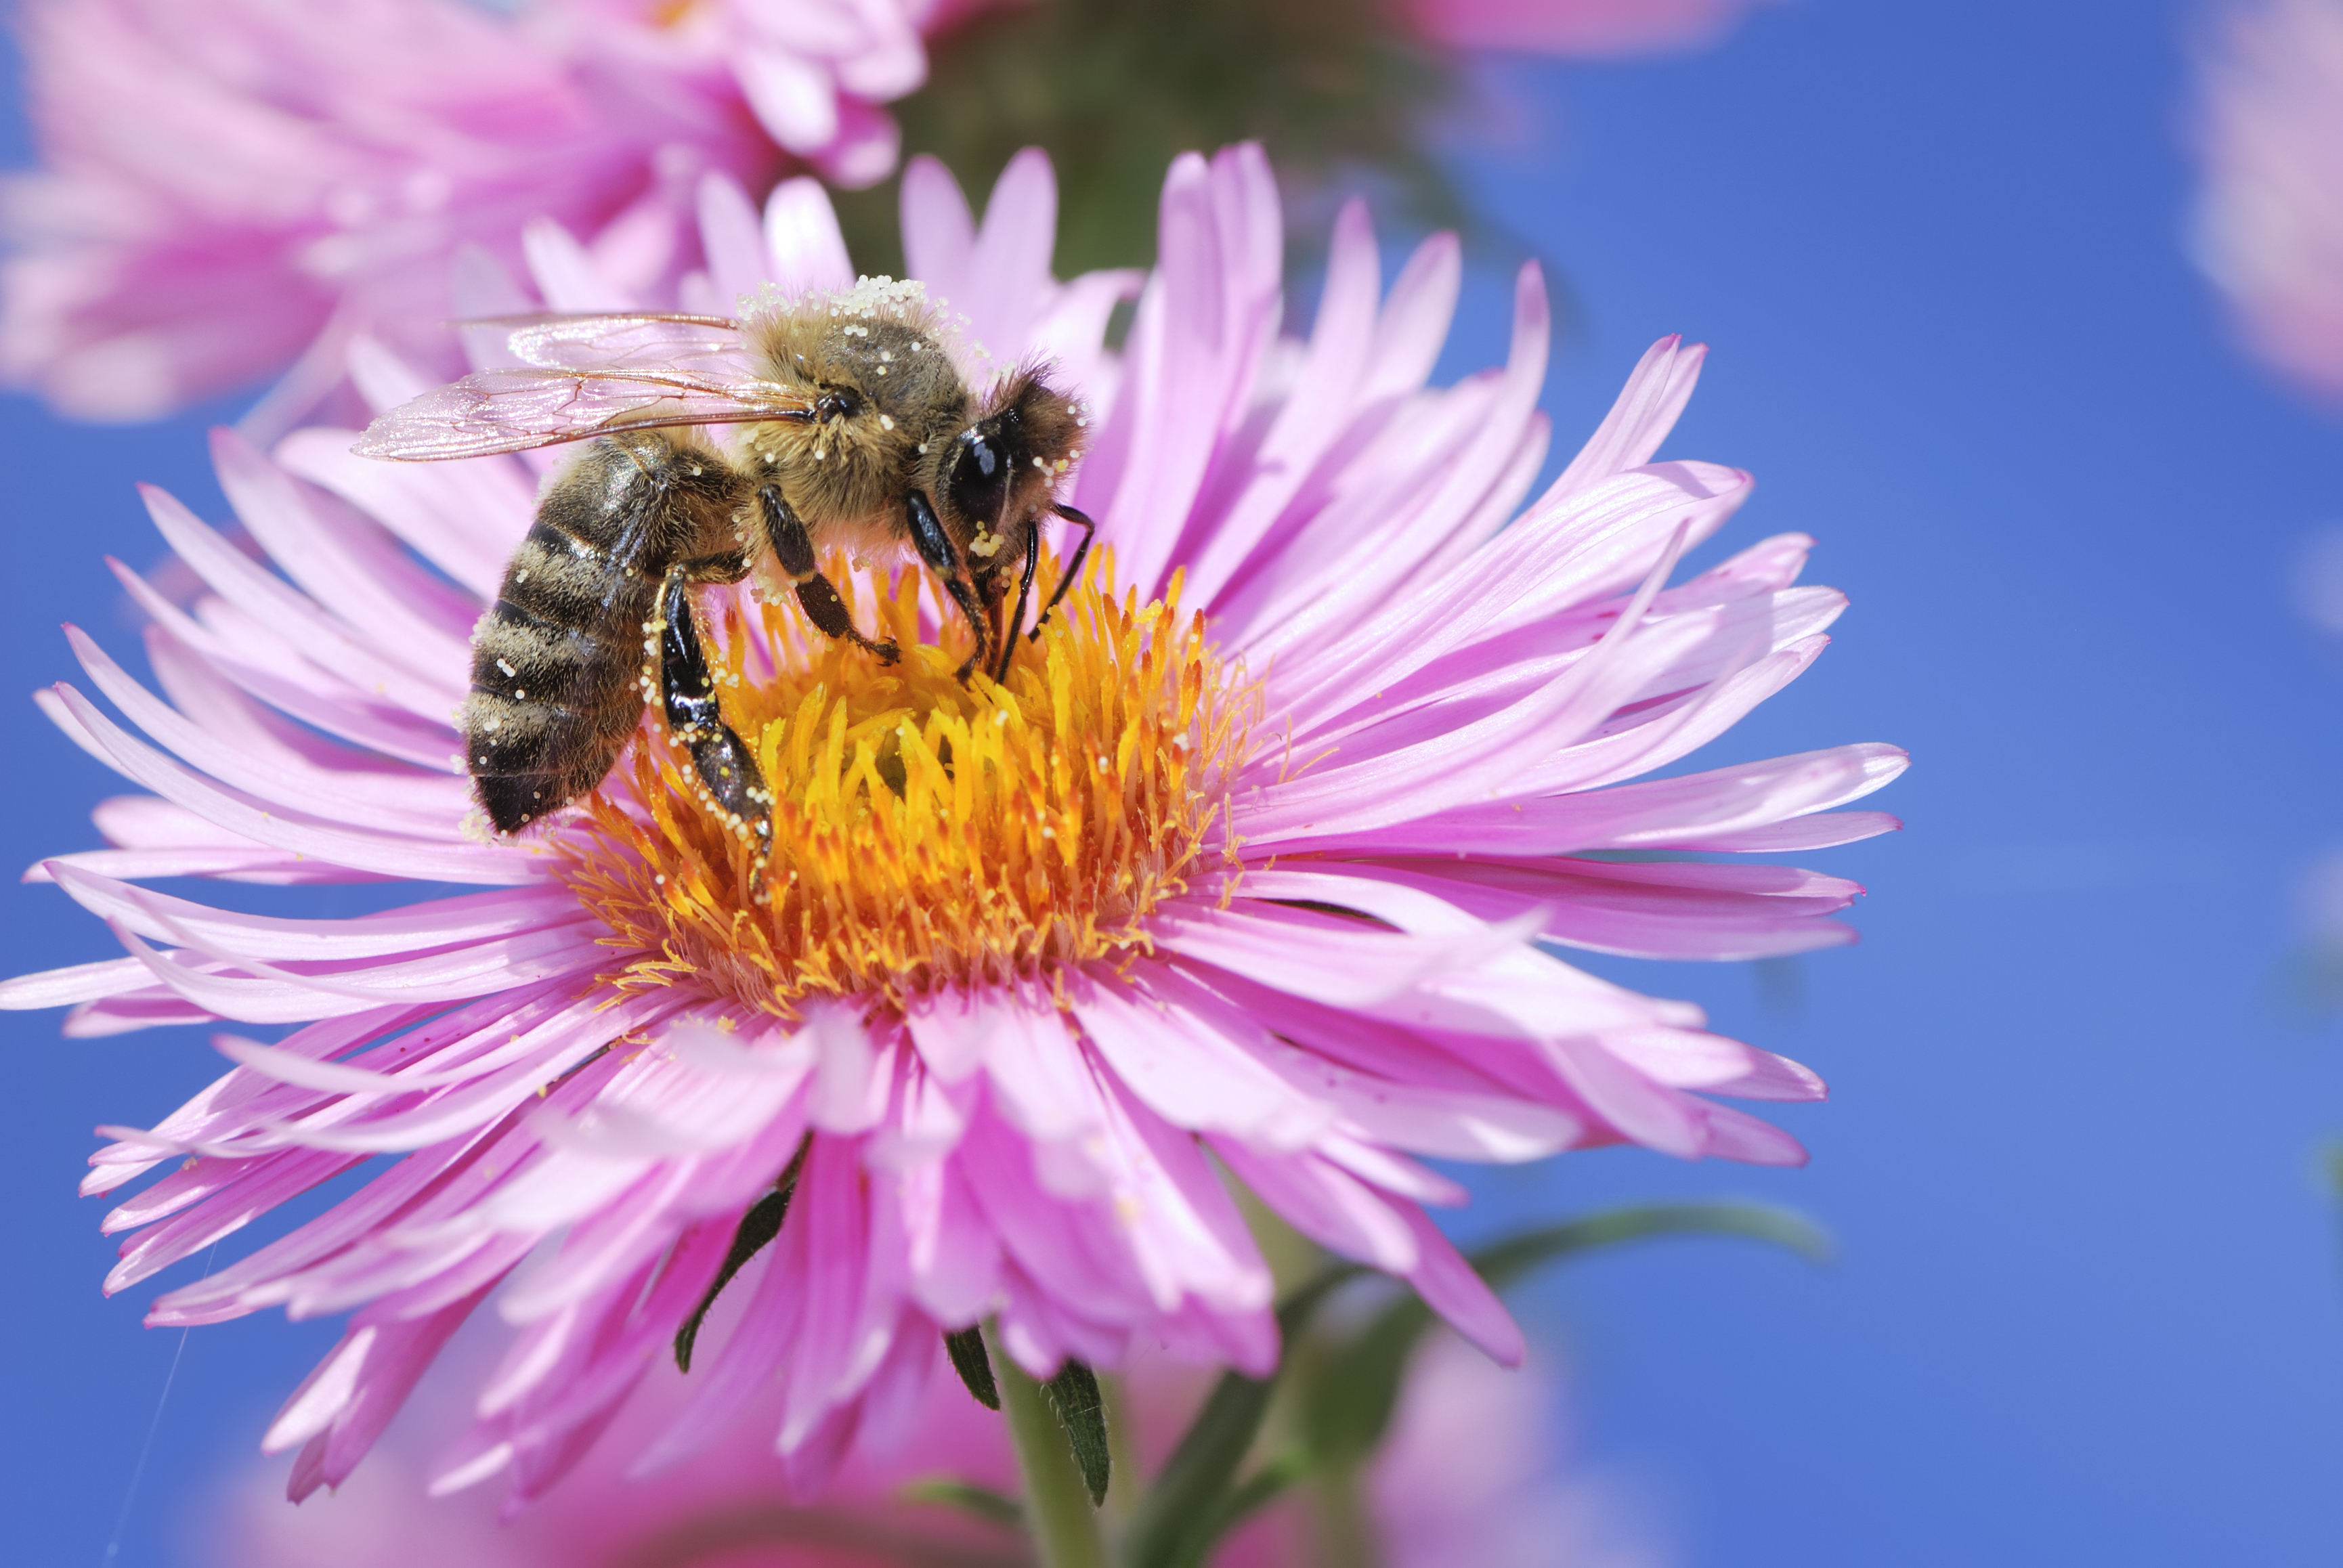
x: 793, y: 548
x: 935, y: 548
x: 970, y: 606
x: 688, y: 691
x: 1024, y: 594
x: 1073, y: 572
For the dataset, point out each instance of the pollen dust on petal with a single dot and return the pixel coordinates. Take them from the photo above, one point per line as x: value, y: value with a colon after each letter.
x: 926, y: 833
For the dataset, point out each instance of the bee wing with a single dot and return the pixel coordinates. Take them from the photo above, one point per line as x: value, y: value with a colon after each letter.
x: 648, y: 340
x: 520, y: 406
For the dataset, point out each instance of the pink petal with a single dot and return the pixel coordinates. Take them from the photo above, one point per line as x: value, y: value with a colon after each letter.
x: 301, y: 691
x: 1692, y: 810
x: 465, y: 518
x: 303, y: 793
x: 400, y: 858
x: 1733, y: 1135
x: 1201, y: 331
x: 75, y: 982
x: 731, y: 237
x: 1413, y: 327
x: 939, y: 234
x: 1334, y: 1210
x: 1323, y: 394
x: 802, y: 239
x: 469, y: 921
x: 347, y: 565
x: 1640, y: 417
x: 565, y: 273
x: 1451, y: 1288
x: 1009, y: 272
x: 1189, y: 1058
x: 325, y: 641
x: 791, y: 97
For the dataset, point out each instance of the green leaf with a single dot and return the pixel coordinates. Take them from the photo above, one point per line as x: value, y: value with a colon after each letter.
x: 982, y: 1501
x: 968, y: 1359
x: 758, y: 1226
x: 1504, y: 1261
x: 1350, y: 1406
x: 1075, y: 1400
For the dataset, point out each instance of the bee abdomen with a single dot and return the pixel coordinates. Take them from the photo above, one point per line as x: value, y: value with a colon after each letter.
x: 556, y: 661
x: 562, y: 577
x: 553, y: 696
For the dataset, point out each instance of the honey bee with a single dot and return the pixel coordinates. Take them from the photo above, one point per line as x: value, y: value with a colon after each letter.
x: 854, y: 428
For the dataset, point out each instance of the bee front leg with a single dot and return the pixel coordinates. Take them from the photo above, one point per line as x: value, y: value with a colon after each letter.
x: 1074, y: 571
x: 935, y: 548
x: 793, y: 549
x: 688, y: 692
x: 1024, y: 596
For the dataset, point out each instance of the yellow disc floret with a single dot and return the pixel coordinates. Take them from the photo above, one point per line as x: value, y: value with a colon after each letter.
x: 925, y: 832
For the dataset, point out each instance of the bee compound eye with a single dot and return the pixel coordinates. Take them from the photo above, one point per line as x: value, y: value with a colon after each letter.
x: 979, y: 482
x: 980, y: 455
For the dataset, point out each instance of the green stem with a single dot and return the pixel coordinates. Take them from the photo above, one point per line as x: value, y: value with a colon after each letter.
x: 1057, y: 1504
x: 1345, y: 1537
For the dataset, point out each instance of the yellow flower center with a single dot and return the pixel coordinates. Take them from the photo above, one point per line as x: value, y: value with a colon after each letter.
x: 926, y: 832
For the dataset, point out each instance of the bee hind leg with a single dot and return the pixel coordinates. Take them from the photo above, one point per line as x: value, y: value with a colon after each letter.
x: 725, y: 765
x: 819, y: 596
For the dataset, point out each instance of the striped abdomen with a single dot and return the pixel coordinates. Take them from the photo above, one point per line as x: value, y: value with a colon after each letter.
x: 557, y: 660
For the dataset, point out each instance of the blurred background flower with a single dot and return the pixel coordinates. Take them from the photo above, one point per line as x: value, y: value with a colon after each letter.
x: 230, y: 188
x: 1585, y: 29
x: 2269, y: 217
x: 221, y: 182
x: 1475, y: 1471
x: 2269, y: 234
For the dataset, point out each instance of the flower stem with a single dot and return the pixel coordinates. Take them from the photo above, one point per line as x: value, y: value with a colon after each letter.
x: 1057, y: 1504
x: 1346, y: 1538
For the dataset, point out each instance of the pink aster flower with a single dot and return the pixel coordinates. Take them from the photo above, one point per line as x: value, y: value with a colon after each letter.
x: 1578, y: 28
x: 223, y: 181
x: 1470, y: 1473
x: 2269, y: 221
x: 1252, y: 867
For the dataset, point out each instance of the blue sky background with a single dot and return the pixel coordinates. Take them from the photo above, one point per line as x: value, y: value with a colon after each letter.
x: 2089, y: 1305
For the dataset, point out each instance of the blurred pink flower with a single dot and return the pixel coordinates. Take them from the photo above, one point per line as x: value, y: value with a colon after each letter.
x: 727, y: 1508
x: 223, y: 181
x: 2269, y: 221
x: 1335, y: 959
x: 1579, y: 28
x: 1470, y: 1474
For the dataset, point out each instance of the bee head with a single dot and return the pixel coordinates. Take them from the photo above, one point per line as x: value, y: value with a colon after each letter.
x: 1006, y: 463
